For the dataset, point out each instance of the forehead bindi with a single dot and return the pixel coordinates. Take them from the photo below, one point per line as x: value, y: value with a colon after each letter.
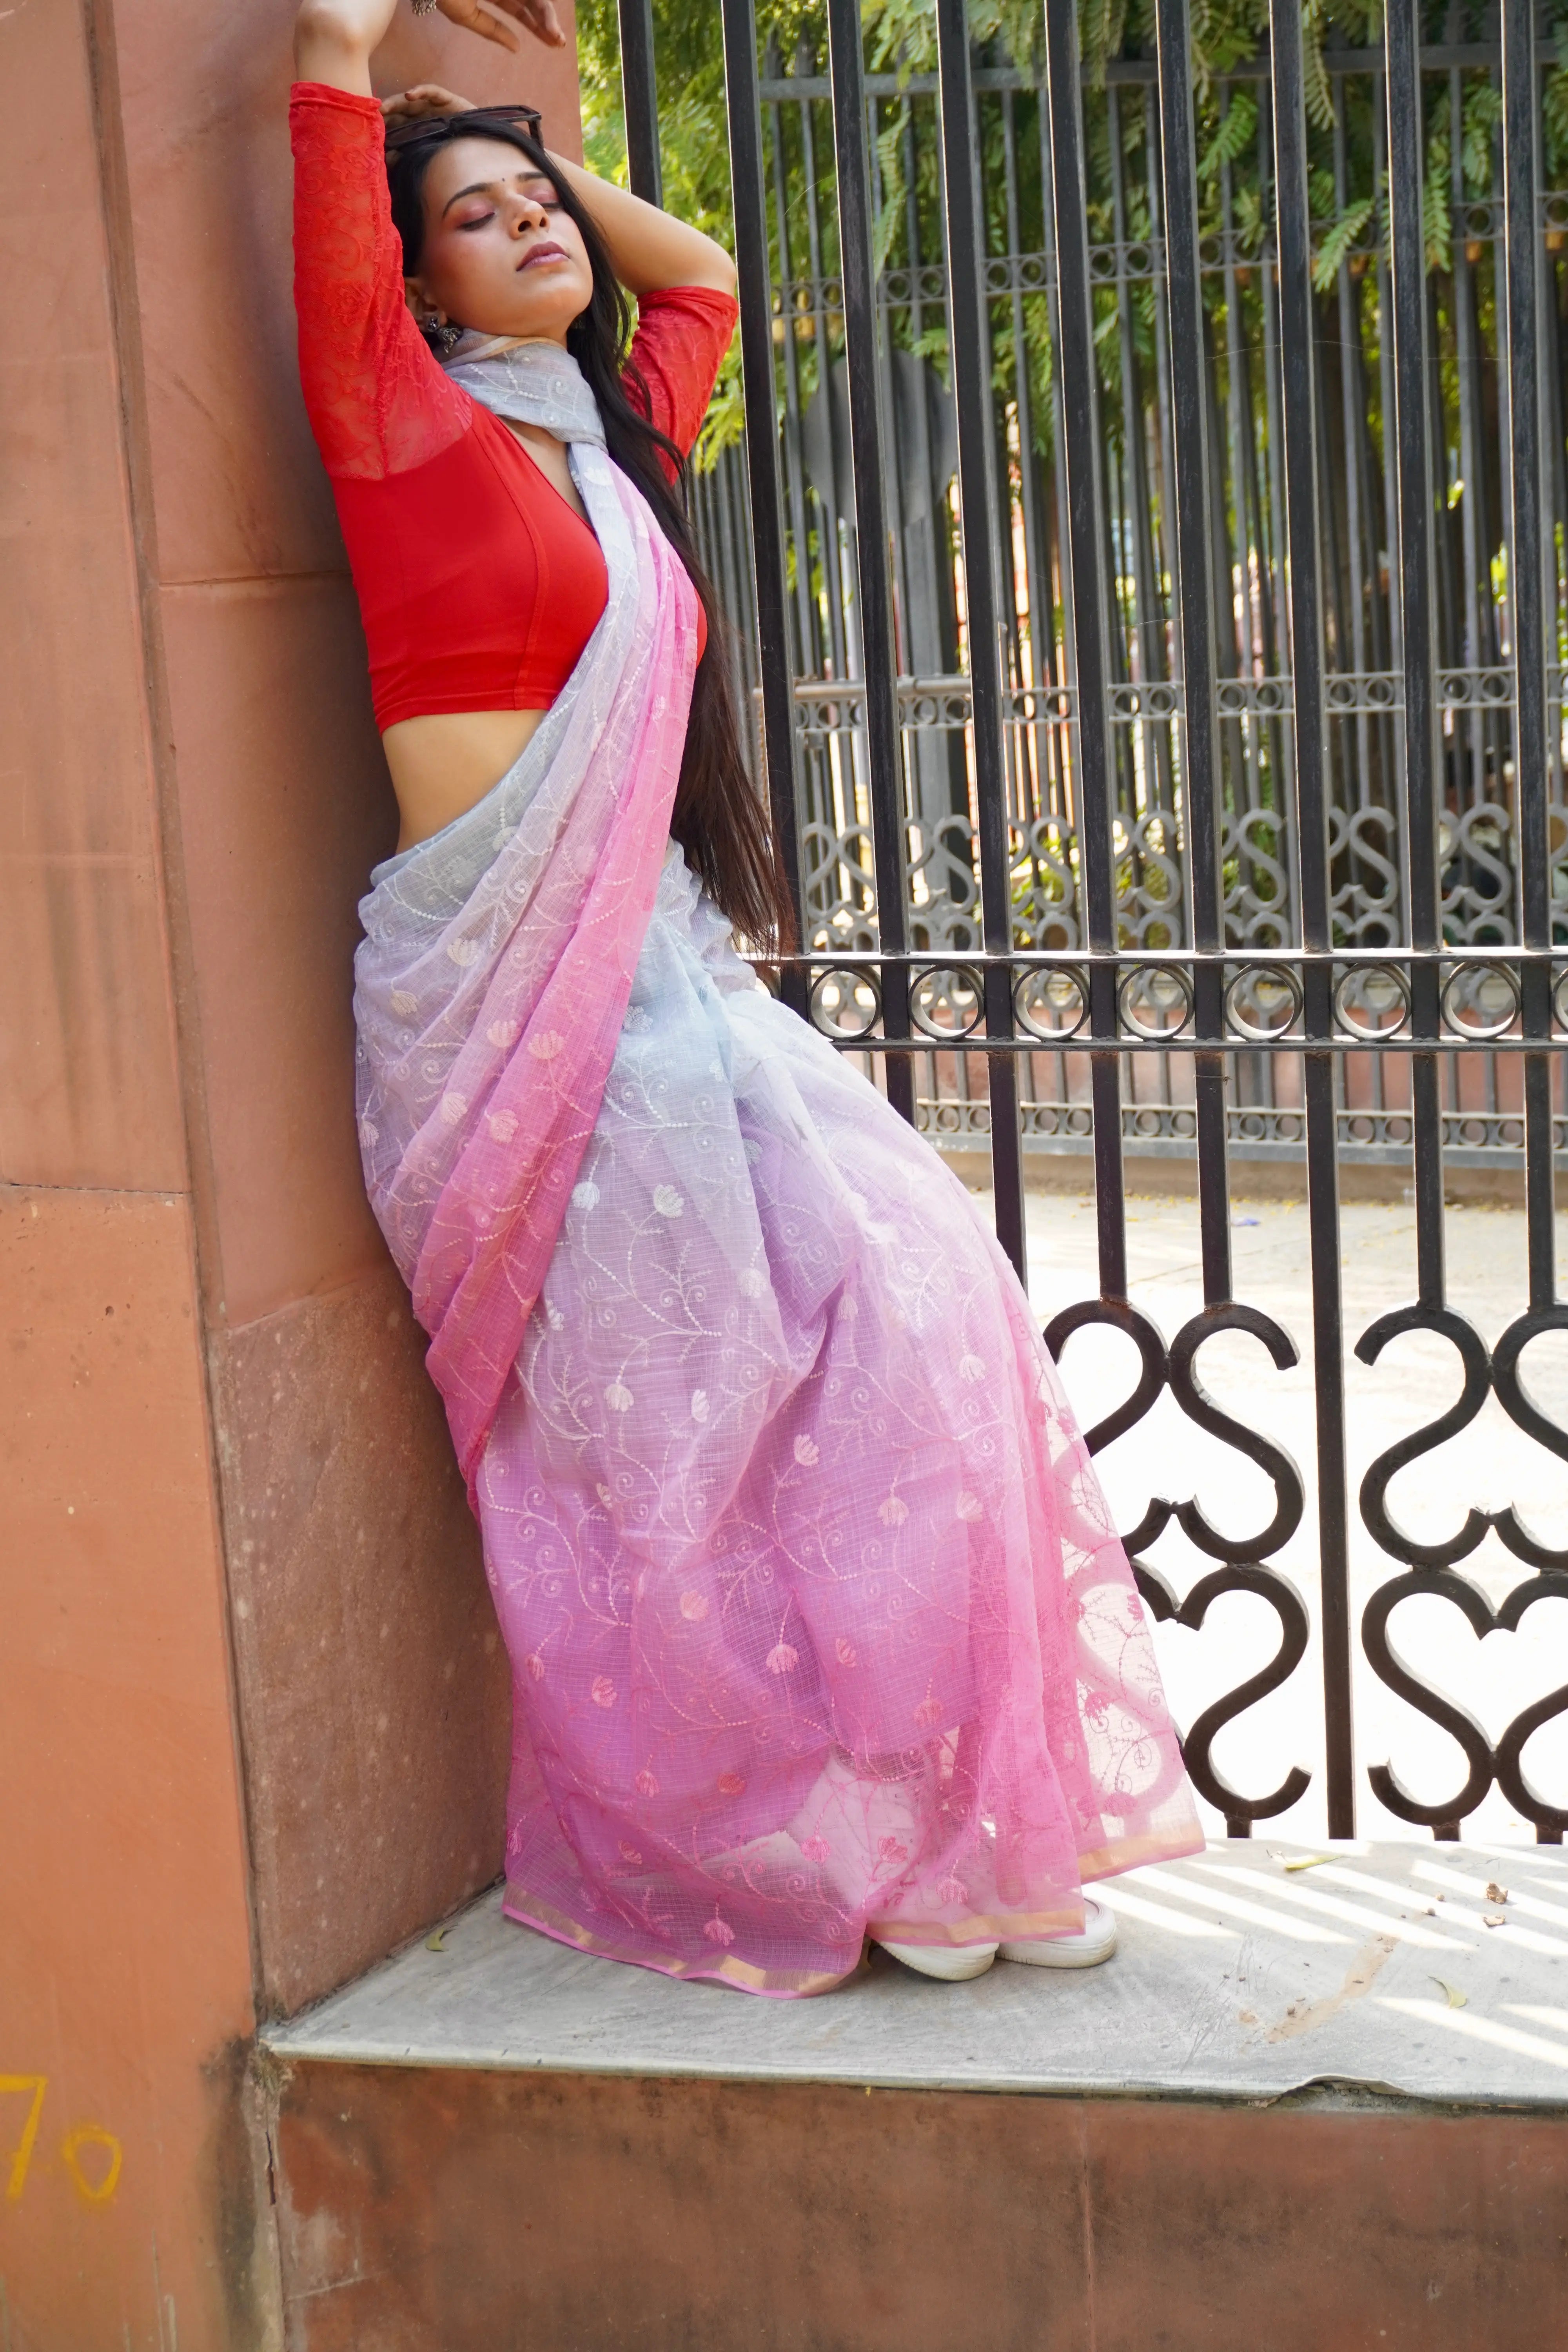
x: 484, y: 167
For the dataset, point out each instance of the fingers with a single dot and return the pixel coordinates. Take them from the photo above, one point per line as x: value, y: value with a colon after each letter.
x: 426, y: 98
x: 476, y: 18
x: 538, y: 16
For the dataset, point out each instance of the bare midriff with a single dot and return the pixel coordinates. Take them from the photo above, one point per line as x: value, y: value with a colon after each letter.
x: 442, y: 764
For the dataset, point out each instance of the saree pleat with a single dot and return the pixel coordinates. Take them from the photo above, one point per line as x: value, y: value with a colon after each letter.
x: 817, y: 1621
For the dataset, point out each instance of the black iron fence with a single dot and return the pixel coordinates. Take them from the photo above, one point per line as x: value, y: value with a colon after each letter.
x: 1152, y: 578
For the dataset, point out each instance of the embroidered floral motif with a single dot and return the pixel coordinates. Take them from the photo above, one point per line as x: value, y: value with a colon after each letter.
x: 972, y: 1368
x: 502, y: 1034
x: 402, y: 1003
x: 502, y: 1125
x: 644, y: 1784
x: 464, y: 952
x: 586, y: 1195
x: 535, y: 1666
x: 816, y: 1849
x: 453, y: 1109
x: 782, y: 1659
x: 618, y: 1397
x: 719, y: 1931
x: 667, y: 1201
x: 806, y: 1453
x: 893, y: 1512
x: 843, y: 1651
x: 546, y: 1045
x: 698, y: 1405
x: 694, y: 1607
x: 970, y: 1507
x: 603, y: 1693
x: 731, y: 1784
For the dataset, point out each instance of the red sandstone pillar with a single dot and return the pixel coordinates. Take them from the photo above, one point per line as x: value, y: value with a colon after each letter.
x: 252, y: 1708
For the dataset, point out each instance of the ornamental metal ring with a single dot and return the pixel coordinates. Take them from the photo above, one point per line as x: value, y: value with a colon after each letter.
x: 947, y: 1002
x: 1372, y: 1001
x: 1155, y: 1000
x: 1051, y: 1003
x: 1480, y: 999
x: 1263, y: 1001
x: 846, y: 1003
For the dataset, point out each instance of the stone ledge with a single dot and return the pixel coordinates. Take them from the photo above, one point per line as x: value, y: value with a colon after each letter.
x: 1238, y: 1980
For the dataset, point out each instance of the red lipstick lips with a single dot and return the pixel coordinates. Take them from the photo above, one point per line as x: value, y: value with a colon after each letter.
x: 547, y: 251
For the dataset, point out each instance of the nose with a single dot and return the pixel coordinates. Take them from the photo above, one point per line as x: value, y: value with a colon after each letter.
x: 530, y: 214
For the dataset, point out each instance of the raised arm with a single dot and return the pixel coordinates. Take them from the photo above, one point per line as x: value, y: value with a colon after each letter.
x: 649, y: 249
x: 333, y: 39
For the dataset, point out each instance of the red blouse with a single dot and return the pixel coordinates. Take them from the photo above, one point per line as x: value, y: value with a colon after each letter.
x: 478, y: 585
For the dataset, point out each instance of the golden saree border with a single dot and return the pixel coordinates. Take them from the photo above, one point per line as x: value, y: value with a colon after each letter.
x: 799, y: 1984
x: 1131, y: 1853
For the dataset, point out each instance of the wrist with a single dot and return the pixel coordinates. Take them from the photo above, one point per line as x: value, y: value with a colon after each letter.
x: 334, y: 40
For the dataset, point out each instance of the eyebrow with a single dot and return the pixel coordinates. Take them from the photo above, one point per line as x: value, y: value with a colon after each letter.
x: 488, y: 187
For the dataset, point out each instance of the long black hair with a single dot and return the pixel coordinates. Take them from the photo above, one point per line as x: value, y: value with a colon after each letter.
x: 719, y: 819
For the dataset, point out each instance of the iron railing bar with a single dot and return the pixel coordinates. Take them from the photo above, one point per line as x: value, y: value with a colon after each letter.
x: 1434, y: 57
x: 1093, y: 780
x: 1194, y: 600
x: 639, y: 101
x: 1522, y: 179
x: 971, y: 359
x: 1418, y: 555
x: 1305, y: 621
x: 846, y: 74
x: 749, y: 200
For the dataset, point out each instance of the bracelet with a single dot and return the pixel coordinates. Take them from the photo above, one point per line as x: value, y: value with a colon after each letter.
x: 423, y: 7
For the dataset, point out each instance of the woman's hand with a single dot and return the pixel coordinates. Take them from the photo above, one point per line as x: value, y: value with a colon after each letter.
x: 426, y: 98
x: 489, y: 18
x: 333, y: 38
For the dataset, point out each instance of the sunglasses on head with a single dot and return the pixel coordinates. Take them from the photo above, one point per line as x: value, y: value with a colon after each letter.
x: 526, y: 119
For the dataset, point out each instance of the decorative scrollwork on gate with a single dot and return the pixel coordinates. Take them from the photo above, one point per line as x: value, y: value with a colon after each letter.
x: 1243, y: 1569
x: 1432, y: 1570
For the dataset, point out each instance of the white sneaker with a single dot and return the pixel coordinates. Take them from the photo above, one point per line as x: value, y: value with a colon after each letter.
x: 951, y: 1963
x: 1096, y: 1942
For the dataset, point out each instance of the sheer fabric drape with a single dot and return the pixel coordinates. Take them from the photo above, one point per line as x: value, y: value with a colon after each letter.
x: 816, y: 1618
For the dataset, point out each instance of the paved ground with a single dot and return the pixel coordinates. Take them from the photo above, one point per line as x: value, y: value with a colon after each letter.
x: 1236, y: 1977
x: 1488, y: 1465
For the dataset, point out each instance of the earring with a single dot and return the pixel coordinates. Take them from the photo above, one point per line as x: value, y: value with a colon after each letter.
x: 441, y: 334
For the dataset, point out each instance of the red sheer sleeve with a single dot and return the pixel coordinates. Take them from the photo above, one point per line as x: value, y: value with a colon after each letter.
x: 377, y: 399
x: 683, y: 333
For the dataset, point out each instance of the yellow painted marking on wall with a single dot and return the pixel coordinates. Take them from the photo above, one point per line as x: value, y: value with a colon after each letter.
x: 92, y: 2136
x: 38, y: 2085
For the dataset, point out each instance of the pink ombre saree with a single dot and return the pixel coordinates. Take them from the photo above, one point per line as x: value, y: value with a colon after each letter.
x: 816, y: 1622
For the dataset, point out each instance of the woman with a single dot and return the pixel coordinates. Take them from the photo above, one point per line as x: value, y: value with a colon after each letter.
x: 818, y: 1625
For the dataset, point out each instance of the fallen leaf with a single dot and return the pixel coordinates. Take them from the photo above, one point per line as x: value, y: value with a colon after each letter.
x: 1496, y: 1894
x: 1451, y: 1994
x: 438, y: 1942
x: 1308, y: 1861
x: 1493, y: 1920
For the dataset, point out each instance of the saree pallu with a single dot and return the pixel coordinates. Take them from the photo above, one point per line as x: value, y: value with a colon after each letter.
x: 816, y: 1622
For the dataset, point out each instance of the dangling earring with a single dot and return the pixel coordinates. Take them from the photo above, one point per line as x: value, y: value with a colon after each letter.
x: 442, y: 335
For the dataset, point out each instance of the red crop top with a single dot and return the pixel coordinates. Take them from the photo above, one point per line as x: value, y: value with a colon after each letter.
x: 478, y: 585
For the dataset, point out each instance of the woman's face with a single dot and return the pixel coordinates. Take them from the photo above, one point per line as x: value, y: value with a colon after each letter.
x: 499, y: 254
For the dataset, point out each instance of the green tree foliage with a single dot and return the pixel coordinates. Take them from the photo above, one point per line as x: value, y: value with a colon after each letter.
x: 1348, y: 204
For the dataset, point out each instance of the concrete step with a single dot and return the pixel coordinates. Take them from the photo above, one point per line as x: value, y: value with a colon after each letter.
x: 1307, y: 2108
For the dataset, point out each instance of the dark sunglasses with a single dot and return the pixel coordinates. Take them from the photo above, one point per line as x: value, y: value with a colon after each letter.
x: 526, y: 119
